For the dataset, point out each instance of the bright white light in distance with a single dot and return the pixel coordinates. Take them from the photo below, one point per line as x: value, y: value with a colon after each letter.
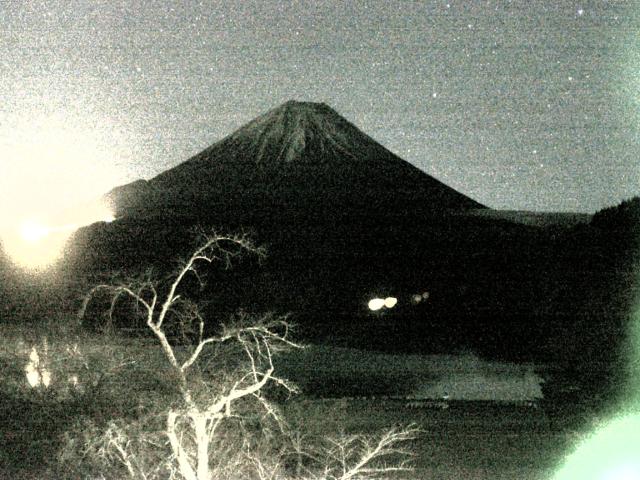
x: 52, y: 164
x: 33, y: 231
x: 390, y: 302
x: 36, y: 244
x: 376, y: 304
x: 85, y: 214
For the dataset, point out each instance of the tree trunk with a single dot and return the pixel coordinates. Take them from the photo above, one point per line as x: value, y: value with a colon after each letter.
x: 202, y: 440
x: 181, y: 456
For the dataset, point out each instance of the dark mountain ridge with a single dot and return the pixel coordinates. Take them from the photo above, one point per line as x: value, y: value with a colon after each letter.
x: 298, y: 156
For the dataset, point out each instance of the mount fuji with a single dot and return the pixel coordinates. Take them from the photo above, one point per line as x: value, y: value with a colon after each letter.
x: 299, y: 155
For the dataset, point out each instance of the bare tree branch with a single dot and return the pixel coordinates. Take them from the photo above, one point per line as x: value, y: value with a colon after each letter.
x: 176, y: 445
x: 255, y: 339
x: 191, y: 425
x: 355, y: 456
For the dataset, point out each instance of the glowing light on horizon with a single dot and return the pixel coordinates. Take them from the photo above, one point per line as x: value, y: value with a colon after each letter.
x: 390, y: 302
x: 33, y: 231
x: 36, y: 244
x: 54, y: 162
x: 375, y: 304
x: 35, y: 247
x: 53, y: 169
x: 419, y: 297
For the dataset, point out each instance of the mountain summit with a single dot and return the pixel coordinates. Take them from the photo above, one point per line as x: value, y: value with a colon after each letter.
x: 296, y: 154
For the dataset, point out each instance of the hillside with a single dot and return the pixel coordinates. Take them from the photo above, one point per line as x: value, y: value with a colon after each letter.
x: 537, y: 219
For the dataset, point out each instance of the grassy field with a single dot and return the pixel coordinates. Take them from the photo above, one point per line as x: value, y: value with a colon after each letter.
x: 347, y: 391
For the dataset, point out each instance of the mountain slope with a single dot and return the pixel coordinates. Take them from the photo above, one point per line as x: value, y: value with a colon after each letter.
x: 298, y: 155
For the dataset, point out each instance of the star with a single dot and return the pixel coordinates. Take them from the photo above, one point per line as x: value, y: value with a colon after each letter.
x: 172, y: 89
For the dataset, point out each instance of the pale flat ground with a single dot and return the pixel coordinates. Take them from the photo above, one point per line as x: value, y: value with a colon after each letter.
x: 460, y: 377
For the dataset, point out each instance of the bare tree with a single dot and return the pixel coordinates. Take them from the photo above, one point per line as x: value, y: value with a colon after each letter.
x: 192, y: 424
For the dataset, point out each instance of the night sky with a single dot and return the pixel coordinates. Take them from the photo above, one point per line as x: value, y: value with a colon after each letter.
x: 519, y: 105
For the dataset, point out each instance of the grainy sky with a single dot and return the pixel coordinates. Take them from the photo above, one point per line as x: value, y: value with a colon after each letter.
x: 519, y: 104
